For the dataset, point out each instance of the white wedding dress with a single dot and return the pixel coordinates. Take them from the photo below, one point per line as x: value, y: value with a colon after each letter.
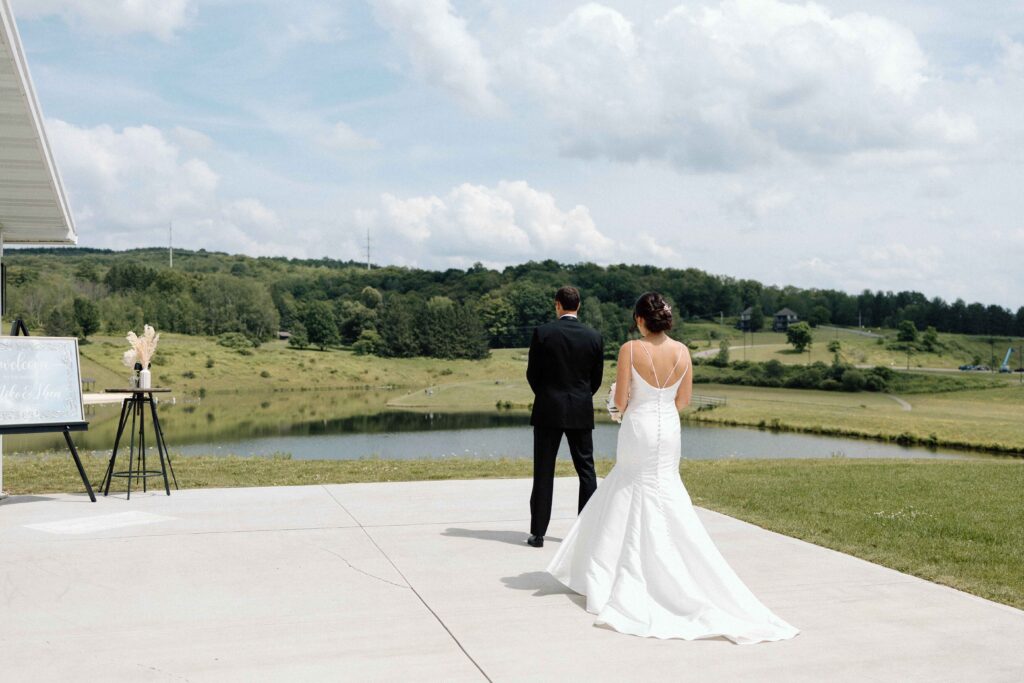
x: 638, y: 551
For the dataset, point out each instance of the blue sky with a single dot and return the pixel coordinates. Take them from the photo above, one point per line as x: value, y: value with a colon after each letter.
x: 833, y: 144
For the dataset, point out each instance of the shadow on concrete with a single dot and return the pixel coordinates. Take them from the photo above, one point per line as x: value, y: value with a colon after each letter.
x: 542, y: 583
x: 513, y: 537
x: 14, y: 500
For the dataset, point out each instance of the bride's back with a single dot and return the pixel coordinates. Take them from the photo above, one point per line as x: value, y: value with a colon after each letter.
x: 659, y: 364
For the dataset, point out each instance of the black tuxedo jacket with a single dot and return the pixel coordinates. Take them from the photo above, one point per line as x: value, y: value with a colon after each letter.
x: 565, y: 368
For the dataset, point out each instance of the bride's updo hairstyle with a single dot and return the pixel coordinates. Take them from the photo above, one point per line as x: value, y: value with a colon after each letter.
x: 654, y: 311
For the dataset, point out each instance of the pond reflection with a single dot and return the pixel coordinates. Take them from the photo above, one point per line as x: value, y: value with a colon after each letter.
x: 357, y: 424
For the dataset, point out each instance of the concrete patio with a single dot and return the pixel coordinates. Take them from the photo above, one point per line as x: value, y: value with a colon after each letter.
x: 428, y: 581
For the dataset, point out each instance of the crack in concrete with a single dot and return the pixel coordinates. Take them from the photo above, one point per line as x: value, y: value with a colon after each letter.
x: 411, y: 587
x: 361, y: 571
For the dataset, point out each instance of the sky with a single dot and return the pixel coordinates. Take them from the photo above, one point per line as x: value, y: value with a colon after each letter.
x: 833, y: 144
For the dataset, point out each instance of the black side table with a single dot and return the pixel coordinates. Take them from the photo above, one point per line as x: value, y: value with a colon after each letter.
x: 134, y: 406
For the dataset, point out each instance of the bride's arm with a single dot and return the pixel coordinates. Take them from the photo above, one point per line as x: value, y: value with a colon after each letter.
x: 685, y: 391
x: 622, y: 379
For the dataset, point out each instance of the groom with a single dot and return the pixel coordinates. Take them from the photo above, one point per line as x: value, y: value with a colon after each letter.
x: 564, y: 370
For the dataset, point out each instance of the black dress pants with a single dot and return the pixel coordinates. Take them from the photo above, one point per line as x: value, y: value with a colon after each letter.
x: 545, y: 449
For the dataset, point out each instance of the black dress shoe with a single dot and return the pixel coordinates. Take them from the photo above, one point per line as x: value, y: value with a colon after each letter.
x: 535, y: 541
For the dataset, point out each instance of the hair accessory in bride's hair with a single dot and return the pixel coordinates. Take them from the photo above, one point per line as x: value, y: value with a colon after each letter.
x: 666, y: 307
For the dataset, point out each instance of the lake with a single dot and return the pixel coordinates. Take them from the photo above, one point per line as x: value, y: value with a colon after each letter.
x: 357, y: 424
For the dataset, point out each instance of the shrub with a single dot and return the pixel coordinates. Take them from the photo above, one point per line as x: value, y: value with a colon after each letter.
x: 235, y: 341
x: 774, y: 369
x: 830, y: 385
x: 873, y: 382
x: 369, y: 342
x: 853, y: 380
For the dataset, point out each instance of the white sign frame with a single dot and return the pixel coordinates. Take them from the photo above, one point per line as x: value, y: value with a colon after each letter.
x: 48, y: 383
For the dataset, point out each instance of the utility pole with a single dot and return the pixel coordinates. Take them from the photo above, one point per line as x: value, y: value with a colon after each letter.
x: 368, y: 248
x: 170, y: 244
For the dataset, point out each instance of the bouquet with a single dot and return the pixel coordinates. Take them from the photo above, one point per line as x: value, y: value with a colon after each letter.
x: 142, y: 349
x: 613, y: 411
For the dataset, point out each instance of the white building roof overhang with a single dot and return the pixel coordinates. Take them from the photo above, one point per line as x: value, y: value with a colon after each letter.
x: 33, y: 206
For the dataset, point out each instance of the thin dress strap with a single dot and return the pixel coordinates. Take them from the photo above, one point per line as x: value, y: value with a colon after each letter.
x: 657, y: 382
x: 678, y: 358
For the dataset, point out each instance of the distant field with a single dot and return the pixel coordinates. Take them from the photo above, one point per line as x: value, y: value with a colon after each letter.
x: 181, y: 363
x: 990, y: 419
x: 858, y: 349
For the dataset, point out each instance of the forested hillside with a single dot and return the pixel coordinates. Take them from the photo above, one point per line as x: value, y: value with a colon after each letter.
x: 404, y: 312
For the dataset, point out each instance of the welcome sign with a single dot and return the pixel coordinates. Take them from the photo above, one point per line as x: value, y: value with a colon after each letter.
x: 40, y: 382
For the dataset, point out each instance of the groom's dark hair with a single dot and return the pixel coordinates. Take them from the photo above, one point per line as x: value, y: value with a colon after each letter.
x: 569, y: 298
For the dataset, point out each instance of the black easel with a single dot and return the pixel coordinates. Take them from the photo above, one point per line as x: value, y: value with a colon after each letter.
x: 66, y: 428
x: 18, y: 327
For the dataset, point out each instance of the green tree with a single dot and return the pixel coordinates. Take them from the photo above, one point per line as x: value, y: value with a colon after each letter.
x: 321, y: 328
x: 472, y: 339
x: 371, y: 298
x: 534, y: 305
x: 299, y: 339
x: 369, y: 342
x: 440, y: 333
x: 354, y: 317
x: 498, y: 317
x: 800, y: 336
x: 60, y: 322
x: 906, y: 332
x: 930, y: 339
x: 87, y: 317
x: 233, y: 304
x: 399, y: 327
x: 756, y: 318
x: 722, y: 359
x: 819, y: 316
x: 87, y: 271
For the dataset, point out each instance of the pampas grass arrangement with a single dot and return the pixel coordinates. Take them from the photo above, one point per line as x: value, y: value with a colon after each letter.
x: 142, y: 349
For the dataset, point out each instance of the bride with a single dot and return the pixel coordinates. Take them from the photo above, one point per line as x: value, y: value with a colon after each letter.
x: 638, y: 551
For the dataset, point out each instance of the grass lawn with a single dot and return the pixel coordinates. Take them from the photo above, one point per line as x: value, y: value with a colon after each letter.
x: 954, y: 349
x: 989, y: 419
x: 190, y: 364
x: 959, y: 523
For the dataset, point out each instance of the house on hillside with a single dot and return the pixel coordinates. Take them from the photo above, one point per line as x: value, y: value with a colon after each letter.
x: 783, y: 319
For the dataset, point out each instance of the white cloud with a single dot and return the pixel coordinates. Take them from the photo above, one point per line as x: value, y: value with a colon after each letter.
x: 441, y: 49
x: 731, y: 84
x: 319, y: 23
x: 126, y: 187
x: 506, y: 223
x: 161, y: 18
x: 343, y: 138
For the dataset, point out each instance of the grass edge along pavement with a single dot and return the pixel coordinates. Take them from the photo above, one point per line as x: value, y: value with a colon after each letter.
x: 958, y: 523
